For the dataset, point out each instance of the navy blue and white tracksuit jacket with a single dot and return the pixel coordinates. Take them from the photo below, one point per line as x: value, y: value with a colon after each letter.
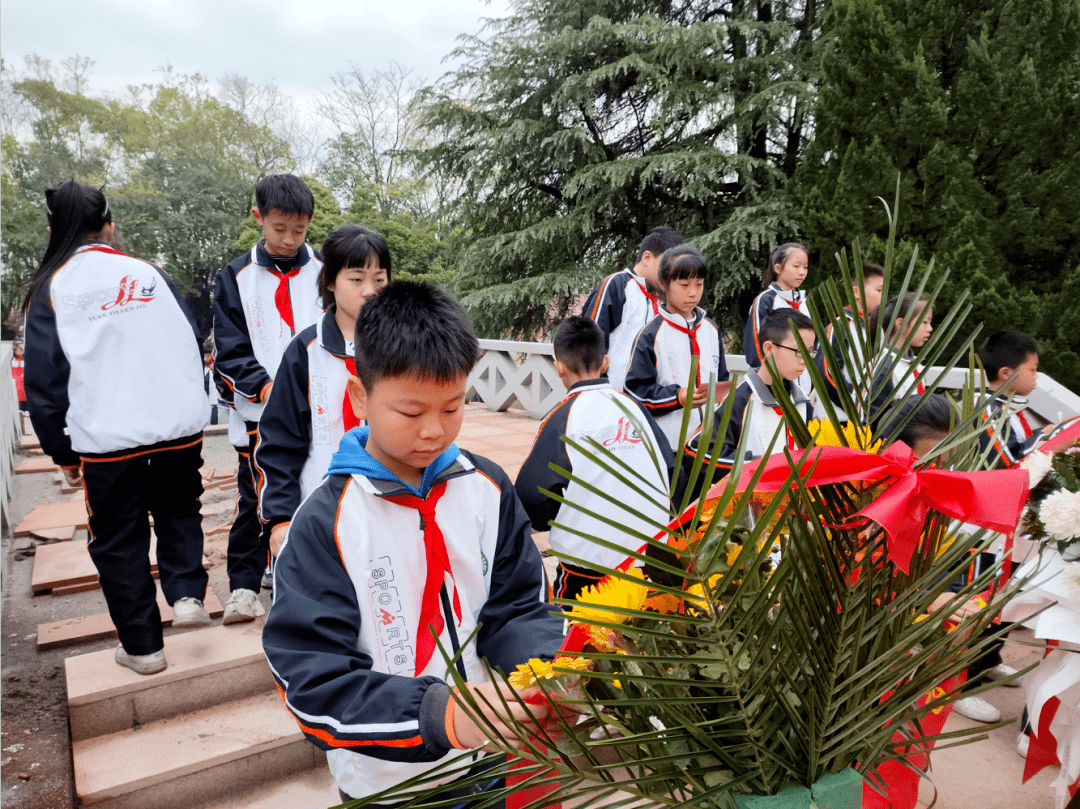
x: 767, y: 302
x: 893, y: 381
x: 755, y: 420
x: 660, y: 368
x: 302, y: 422
x: 621, y: 305
x: 839, y: 374
x: 1015, y: 439
x: 250, y: 335
x: 113, y: 360
x: 594, y: 410
x: 348, y: 586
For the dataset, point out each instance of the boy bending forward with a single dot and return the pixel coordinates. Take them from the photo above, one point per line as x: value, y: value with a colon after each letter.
x: 408, y: 538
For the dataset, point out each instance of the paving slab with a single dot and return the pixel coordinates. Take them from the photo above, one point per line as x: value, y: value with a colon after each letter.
x: 38, y: 464
x: 54, y: 515
x: 97, y: 627
x: 63, y: 534
x: 68, y: 565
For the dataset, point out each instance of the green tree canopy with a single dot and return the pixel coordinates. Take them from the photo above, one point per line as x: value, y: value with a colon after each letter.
x: 575, y: 128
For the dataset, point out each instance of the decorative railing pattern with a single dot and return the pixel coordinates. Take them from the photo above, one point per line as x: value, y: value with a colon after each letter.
x: 510, y: 372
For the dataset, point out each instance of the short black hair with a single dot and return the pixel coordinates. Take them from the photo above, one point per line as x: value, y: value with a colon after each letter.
x: 350, y: 246
x: 780, y: 256
x: 286, y: 193
x: 579, y: 345
x: 778, y: 323
x: 412, y: 329
x: 872, y: 271
x: 929, y: 415
x: 899, y: 308
x: 679, y: 262
x: 1006, y: 349
x: 658, y: 240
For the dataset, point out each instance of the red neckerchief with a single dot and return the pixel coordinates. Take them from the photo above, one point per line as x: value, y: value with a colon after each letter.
x: 694, y: 350
x: 1024, y: 423
x: 348, y: 415
x: 790, y: 438
x: 438, y: 565
x: 282, y: 299
x: 919, y: 386
x: 653, y: 300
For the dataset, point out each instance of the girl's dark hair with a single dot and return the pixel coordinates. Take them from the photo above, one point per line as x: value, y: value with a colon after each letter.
x: 780, y: 256
x: 929, y: 416
x: 76, y: 214
x: 350, y: 246
x: 679, y: 262
x: 885, y: 317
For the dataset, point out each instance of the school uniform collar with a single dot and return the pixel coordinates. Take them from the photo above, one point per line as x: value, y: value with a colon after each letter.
x: 599, y: 383
x: 352, y: 458
x: 679, y: 320
x: 998, y: 398
x: 789, y: 295
x: 765, y: 394
x: 331, y: 338
x: 261, y: 257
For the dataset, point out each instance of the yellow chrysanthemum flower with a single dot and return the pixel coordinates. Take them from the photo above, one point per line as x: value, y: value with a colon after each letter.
x: 857, y: 436
x: 527, y: 674
x: 610, y: 592
x: 695, y: 594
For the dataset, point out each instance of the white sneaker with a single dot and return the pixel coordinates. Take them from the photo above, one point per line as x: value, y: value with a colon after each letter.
x: 243, y: 606
x: 189, y: 612
x: 978, y: 709
x: 1000, y: 672
x: 1022, y: 745
x: 142, y: 664
x: 267, y: 579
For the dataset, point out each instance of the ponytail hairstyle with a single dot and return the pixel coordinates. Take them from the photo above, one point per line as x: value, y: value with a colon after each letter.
x: 76, y: 213
x: 885, y: 317
x: 780, y: 256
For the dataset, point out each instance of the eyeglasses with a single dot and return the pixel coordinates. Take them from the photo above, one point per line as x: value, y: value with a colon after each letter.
x: 812, y: 353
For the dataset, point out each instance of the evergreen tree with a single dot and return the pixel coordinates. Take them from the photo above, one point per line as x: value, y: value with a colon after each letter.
x: 575, y: 128
x: 975, y: 105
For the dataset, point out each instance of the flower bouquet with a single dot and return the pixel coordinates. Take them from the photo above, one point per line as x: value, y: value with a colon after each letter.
x: 711, y: 670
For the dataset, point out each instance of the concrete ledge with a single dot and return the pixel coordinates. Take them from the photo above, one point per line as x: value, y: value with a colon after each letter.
x: 206, y: 667
x: 192, y: 759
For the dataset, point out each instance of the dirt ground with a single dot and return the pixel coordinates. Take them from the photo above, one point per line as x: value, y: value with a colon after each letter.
x: 35, y: 751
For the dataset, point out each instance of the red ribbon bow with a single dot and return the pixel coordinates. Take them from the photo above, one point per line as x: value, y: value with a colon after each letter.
x: 438, y: 565
x: 992, y: 499
x: 282, y: 299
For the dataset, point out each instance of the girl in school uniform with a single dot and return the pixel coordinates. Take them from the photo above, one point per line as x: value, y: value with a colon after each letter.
x: 308, y: 410
x: 658, y: 376
x: 115, y: 387
x: 784, y: 277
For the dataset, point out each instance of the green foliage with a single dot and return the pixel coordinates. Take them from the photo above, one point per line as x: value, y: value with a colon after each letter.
x: 969, y: 103
x: 575, y: 129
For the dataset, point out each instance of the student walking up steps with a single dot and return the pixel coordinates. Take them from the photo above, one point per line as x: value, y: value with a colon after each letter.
x: 115, y: 387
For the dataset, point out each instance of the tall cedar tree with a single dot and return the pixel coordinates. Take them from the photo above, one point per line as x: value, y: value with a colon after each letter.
x: 976, y: 104
x: 575, y: 128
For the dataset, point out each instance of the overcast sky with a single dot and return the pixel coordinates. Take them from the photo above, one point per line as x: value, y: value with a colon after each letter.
x: 298, y: 44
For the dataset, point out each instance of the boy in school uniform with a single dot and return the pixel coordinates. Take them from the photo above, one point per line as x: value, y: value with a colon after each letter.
x: 1011, y: 362
x: 756, y: 417
x: 406, y: 540
x: 261, y: 300
x: 593, y: 409
x: 867, y: 300
x: 625, y: 301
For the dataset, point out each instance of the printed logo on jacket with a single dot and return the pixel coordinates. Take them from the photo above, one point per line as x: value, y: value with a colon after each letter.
x: 394, y: 646
x: 131, y: 295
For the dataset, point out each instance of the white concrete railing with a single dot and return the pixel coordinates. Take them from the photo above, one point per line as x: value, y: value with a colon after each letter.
x: 10, y: 430
x: 512, y: 371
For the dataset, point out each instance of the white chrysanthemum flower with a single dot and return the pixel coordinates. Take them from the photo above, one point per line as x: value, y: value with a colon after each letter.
x: 1060, y: 513
x: 1037, y: 465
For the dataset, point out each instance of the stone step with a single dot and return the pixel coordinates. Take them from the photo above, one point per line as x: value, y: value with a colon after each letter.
x: 193, y: 759
x: 206, y: 667
x: 310, y: 789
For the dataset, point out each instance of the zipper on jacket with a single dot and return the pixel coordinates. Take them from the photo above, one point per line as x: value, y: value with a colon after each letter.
x: 449, y: 613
